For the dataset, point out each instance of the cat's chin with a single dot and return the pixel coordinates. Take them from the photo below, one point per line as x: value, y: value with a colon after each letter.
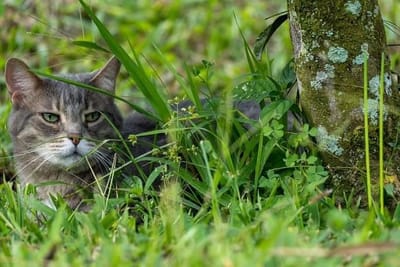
x: 71, y: 162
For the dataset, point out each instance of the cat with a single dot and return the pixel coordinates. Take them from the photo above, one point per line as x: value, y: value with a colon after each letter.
x: 60, y: 131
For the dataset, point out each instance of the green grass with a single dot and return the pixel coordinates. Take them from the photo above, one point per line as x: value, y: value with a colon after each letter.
x: 366, y: 133
x: 233, y: 196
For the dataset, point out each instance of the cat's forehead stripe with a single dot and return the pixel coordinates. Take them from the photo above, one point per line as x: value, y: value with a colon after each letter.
x: 72, y: 98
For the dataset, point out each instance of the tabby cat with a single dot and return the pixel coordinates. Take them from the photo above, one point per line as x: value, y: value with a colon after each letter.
x: 60, y: 131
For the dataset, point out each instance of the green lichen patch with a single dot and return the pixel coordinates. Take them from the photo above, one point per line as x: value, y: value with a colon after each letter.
x: 330, y: 70
x: 329, y: 143
x: 353, y: 7
x: 329, y: 33
x: 374, y: 86
x: 388, y: 83
x: 373, y: 111
x: 359, y: 59
x: 364, y: 55
x: 319, y: 80
x: 337, y: 54
x: 322, y: 76
x: 373, y: 105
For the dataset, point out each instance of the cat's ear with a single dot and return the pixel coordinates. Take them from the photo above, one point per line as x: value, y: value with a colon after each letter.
x: 20, y: 80
x: 106, y: 77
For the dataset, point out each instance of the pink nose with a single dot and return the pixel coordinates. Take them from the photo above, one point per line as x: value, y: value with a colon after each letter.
x: 75, y: 138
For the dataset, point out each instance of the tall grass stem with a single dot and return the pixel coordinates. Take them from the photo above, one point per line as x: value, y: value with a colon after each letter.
x: 381, y: 118
x: 366, y: 131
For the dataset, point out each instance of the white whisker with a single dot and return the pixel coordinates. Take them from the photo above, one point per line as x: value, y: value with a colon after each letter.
x: 35, y: 169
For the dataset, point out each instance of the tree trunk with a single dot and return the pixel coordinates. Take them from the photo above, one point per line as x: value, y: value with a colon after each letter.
x: 330, y: 40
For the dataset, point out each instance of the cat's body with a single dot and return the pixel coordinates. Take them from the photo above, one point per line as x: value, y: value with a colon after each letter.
x: 59, y: 131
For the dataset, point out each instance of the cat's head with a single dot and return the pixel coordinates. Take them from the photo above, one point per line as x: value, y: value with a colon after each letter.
x: 56, y: 124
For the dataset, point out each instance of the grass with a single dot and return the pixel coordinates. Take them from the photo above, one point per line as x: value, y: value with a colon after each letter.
x: 237, y: 192
x: 381, y: 133
x: 366, y: 133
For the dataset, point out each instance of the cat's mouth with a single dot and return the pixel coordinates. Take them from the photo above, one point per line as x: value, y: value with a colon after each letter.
x: 72, y: 156
x: 73, y: 160
x: 69, y: 156
x: 75, y: 154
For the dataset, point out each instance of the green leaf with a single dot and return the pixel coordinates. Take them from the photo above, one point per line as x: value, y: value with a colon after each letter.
x: 312, y: 160
x: 257, y: 90
x: 287, y: 76
x: 389, y: 189
x: 313, y: 132
x: 396, y: 214
x: 337, y: 220
x: 264, y: 37
x: 90, y: 45
x: 152, y: 177
x: 275, y: 110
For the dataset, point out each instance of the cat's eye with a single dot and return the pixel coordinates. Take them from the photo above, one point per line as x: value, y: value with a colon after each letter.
x: 92, y: 116
x: 50, y: 117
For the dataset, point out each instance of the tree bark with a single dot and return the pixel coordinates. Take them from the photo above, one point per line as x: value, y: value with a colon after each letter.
x: 330, y: 40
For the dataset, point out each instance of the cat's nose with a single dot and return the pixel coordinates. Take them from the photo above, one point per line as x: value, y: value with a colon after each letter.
x: 75, y: 138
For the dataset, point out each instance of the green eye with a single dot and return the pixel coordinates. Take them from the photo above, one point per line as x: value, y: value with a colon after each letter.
x: 92, y: 116
x: 50, y: 117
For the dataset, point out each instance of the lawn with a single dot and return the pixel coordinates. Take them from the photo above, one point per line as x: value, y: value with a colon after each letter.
x: 232, y: 195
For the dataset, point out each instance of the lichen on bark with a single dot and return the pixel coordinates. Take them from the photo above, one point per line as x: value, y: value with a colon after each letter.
x: 331, y: 40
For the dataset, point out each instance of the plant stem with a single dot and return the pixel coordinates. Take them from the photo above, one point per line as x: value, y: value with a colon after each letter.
x: 381, y: 117
x: 366, y: 131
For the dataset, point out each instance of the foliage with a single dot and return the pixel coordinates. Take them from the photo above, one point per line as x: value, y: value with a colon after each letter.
x: 235, y: 191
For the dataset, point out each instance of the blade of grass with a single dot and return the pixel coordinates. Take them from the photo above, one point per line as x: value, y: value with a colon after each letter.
x: 259, y: 164
x: 90, y: 45
x: 194, y: 92
x: 205, y: 146
x: 381, y: 114
x: 265, y: 36
x: 251, y: 59
x: 133, y: 67
x: 366, y: 131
